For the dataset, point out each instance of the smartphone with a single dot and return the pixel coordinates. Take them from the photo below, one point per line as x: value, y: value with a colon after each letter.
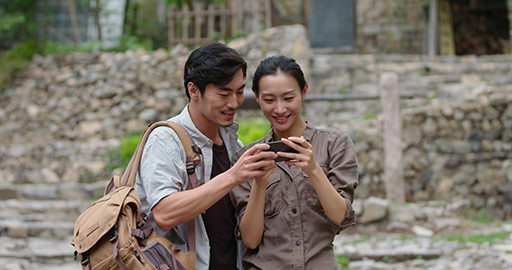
x: 279, y: 146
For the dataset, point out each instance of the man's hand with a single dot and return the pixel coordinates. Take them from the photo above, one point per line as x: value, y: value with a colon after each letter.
x: 254, y: 163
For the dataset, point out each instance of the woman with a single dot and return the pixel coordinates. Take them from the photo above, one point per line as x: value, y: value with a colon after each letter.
x: 290, y: 216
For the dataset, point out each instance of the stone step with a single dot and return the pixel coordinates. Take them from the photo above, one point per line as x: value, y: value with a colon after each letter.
x: 63, y: 191
x: 42, y: 210
x: 23, y: 253
x: 22, y: 230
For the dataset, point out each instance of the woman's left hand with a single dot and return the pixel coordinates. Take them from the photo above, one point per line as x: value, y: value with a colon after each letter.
x: 304, y: 159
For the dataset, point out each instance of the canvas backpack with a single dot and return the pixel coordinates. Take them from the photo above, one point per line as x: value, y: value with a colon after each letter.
x: 113, y: 232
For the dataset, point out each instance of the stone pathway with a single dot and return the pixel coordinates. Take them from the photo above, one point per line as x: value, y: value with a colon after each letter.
x: 35, y: 232
x: 391, y: 251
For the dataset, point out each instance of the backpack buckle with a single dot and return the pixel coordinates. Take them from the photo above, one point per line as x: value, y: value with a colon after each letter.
x: 190, y: 167
x: 85, y: 260
x: 113, y: 239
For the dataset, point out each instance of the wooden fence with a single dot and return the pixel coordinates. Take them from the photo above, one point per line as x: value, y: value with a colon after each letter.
x: 204, y: 23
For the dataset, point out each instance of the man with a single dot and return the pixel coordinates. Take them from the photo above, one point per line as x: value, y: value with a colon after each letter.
x: 214, y: 83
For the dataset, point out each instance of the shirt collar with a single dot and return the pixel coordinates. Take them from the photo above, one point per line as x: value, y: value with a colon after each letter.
x: 198, y: 137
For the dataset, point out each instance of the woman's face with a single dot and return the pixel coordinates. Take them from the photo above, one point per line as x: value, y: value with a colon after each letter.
x: 280, y: 98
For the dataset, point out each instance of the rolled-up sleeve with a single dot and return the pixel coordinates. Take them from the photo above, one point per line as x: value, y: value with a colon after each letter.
x: 162, y: 170
x: 343, y: 172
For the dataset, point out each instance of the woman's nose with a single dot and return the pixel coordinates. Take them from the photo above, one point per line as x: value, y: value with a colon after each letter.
x: 280, y: 108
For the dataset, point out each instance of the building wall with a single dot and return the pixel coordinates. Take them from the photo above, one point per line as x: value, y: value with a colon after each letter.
x: 390, y: 26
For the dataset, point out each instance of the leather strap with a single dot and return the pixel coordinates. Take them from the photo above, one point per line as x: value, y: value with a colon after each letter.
x: 128, y: 178
x: 115, y: 245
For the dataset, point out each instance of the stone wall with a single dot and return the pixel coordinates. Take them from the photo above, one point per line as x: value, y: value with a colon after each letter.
x: 62, y: 115
x: 451, y: 149
x: 394, y: 26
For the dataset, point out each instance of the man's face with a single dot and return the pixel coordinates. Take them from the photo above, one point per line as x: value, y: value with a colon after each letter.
x: 218, y: 105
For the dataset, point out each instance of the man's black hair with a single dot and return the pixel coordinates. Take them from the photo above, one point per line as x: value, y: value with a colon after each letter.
x: 213, y: 63
x: 274, y: 64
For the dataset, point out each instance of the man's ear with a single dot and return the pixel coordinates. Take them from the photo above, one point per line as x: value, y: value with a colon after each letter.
x: 193, y: 91
x: 304, y: 91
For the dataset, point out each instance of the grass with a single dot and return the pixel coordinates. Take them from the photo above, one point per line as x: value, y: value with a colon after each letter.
x: 343, y: 261
x: 362, y: 239
x: 481, y: 216
x: 480, y: 238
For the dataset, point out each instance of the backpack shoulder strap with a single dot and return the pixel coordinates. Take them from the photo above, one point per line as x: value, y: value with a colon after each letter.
x: 128, y: 178
x: 191, y: 150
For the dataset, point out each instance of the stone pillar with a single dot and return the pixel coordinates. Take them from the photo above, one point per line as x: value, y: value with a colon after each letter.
x: 509, y: 4
x: 392, y: 132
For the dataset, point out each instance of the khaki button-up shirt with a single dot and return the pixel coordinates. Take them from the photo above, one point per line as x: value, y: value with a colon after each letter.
x: 297, y: 233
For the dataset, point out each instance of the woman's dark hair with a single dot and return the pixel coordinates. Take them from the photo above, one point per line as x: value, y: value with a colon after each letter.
x: 213, y: 63
x: 274, y: 64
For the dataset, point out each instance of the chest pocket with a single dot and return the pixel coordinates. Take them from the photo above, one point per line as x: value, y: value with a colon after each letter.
x: 273, y: 195
x: 311, y: 197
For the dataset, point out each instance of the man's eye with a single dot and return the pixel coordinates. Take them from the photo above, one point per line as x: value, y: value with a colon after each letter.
x: 289, y: 98
x: 268, y: 100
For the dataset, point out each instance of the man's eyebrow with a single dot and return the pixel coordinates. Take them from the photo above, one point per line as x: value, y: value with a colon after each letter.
x: 229, y: 89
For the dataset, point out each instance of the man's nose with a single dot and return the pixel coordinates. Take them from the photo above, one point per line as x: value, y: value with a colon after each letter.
x: 234, y: 101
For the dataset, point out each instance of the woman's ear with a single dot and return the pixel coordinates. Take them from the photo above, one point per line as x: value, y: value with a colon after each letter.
x: 256, y: 96
x: 303, y: 92
x: 193, y: 91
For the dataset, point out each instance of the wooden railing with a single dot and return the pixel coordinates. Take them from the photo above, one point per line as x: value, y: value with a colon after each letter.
x: 204, y: 23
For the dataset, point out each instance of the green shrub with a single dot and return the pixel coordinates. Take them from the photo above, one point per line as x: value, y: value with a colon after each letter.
x: 481, y: 216
x: 253, y: 129
x: 343, y: 261
x: 127, y: 147
x: 15, y: 59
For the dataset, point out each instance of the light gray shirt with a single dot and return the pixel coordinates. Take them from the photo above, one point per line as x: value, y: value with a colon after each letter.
x: 162, y: 172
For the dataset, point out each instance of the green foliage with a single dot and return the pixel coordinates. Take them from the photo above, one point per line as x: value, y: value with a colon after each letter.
x: 133, y: 43
x: 253, y: 129
x: 480, y: 216
x: 14, y: 60
x: 127, y: 147
x: 114, y: 160
x: 480, y: 238
x: 50, y: 48
x: 362, y: 239
x: 370, y: 116
x: 388, y: 259
x: 17, y: 22
x: 343, y: 261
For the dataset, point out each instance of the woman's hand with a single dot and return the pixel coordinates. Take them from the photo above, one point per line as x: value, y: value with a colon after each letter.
x: 332, y: 202
x: 304, y: 159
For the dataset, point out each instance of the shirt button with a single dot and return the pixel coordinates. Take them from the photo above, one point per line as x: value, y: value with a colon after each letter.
x: 297, y: 243
x: 208, y: 143
x: 294, y: 210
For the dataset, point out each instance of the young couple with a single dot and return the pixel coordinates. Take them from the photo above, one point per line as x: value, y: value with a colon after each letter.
x: 286, y: 213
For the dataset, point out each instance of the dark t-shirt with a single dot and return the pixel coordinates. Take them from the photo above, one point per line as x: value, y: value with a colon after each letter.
x: 219, y: 219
